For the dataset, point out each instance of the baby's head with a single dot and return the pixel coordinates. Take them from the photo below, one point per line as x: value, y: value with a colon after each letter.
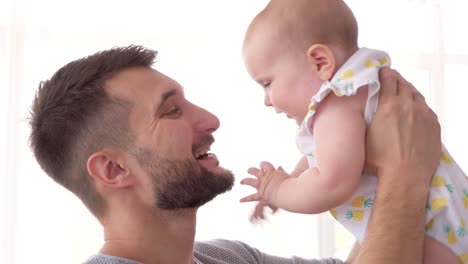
x: 292, y: 47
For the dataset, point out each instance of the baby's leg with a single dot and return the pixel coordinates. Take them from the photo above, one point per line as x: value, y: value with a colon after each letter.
x: 436, y: 253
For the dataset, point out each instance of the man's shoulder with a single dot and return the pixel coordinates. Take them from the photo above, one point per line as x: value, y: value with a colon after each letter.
x: 106, y: 259
x: 222, y: 251
x: 231, y: 251
x: 224, y: 245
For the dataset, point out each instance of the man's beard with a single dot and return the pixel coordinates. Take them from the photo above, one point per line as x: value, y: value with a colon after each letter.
x: 183, y: 183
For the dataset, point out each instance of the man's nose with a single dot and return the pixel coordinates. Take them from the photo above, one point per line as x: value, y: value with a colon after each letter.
x: 207, y: 122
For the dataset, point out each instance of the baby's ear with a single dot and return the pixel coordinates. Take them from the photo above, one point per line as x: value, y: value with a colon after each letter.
x: 323, y: 59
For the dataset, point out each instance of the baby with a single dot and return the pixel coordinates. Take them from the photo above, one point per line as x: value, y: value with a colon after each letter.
x: 305, y: 55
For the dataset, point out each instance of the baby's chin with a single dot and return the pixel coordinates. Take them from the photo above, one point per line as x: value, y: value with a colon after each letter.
x: 298, y: 121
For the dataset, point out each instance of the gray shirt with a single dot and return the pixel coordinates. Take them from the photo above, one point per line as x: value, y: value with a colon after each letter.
x: 222, y: 252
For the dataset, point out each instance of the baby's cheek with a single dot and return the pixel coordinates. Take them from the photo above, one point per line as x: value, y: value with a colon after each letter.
x: 280, y: 102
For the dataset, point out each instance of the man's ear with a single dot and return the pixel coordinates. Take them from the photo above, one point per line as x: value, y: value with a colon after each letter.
x: 108, y: 168
x: 324, y: 60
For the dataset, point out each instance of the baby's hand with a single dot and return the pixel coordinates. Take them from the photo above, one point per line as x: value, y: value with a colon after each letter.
x: 258, y: 213
x: 268, y: 179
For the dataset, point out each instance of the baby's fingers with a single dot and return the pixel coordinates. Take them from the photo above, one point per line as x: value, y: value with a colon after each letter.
x: 251, y: 198
x: 255, y: 172
x: 281, y: 169
x: 251, y: 182
x: 257, y: 214
x: 267, y: 166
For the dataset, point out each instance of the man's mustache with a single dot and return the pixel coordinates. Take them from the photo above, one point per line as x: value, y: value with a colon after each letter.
x: 204, y: 141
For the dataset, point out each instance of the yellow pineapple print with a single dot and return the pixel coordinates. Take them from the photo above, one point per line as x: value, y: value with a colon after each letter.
x: 464, y: 258
x: 371, y: 64
x: 429, y: 224
x: 465, y: 198
x: 438, y: 181
x: 446, y: 158
x: 347, y: 74
x: 335, y: 91
x: 383, y: 60
x: 312, y: 107
x: 362, y: 202
x: 356, y: 215
x: 334, y: 213
x: 437, y: 203
x: 451, y: 238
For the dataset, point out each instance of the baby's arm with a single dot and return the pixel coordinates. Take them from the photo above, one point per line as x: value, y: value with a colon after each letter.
x: 339, y: 133
x: 301, y: 166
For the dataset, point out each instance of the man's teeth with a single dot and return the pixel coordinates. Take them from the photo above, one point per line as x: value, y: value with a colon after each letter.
x: 201, y: 154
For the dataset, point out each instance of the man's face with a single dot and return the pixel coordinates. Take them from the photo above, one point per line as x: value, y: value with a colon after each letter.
x: 172, y: 139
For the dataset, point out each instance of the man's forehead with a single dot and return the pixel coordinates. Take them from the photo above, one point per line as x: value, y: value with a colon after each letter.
x: 140, y: 82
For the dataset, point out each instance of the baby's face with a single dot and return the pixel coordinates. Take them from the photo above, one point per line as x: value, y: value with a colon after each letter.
x: 289, y: 80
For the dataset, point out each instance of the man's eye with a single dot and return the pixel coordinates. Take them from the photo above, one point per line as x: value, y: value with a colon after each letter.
x: 173, y: 110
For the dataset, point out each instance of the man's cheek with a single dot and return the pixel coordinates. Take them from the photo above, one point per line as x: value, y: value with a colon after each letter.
x: 174, y: 144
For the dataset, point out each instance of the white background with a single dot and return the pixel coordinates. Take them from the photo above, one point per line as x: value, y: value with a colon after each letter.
x: 200, y: 46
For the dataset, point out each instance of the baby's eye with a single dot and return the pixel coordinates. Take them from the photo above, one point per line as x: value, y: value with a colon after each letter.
x: 266, y: 85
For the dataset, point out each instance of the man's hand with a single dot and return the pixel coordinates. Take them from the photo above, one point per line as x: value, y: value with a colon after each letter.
x: 404, y: 130
x: 403, y: 149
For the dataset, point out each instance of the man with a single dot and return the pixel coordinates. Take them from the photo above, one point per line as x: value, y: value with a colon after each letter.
x: 125, y: 140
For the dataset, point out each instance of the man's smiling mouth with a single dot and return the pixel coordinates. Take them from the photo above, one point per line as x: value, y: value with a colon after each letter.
x: 201, y: 148
x: 203, y: 154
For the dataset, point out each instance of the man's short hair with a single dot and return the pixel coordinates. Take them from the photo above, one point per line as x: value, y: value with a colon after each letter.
x: 72, y: 117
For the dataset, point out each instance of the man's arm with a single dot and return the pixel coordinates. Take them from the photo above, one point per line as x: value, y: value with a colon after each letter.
x: 402, y: 148
x: 396, y: 229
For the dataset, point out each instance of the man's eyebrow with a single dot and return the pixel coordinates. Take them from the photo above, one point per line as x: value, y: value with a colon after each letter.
x: 164, y: 97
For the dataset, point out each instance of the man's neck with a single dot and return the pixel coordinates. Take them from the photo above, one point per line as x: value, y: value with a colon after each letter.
x: 163, y: 237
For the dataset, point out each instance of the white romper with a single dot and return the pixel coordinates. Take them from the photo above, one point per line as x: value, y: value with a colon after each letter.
x: 447, y: 206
